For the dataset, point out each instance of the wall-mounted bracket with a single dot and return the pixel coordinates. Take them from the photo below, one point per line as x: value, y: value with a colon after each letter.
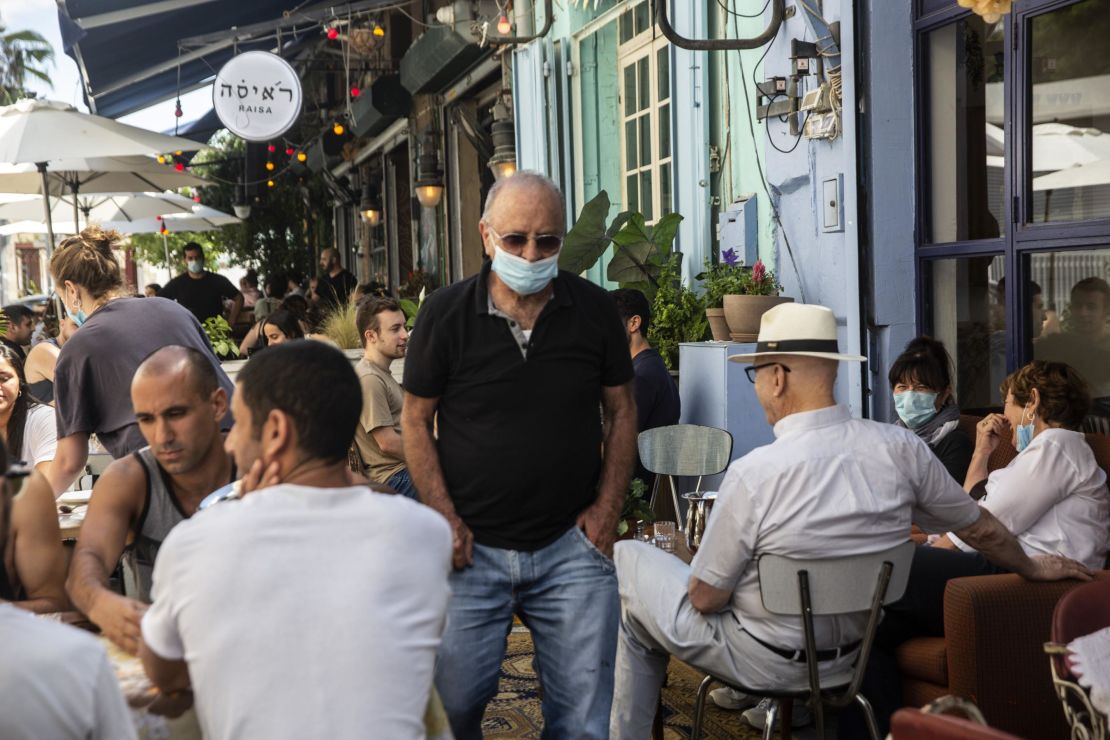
x: 777, y: 13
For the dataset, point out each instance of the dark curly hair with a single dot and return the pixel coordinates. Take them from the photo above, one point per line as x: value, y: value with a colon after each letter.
x: 1064, y: 396
x: 925, y: 361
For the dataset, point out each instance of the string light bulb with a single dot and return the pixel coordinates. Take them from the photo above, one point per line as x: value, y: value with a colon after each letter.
x: 289, y: 151
x: 177, y: 112
x: 269, y: 166
x: 338, y: 129
x: 179, y: 166
x: 355, y: 92
x: 177, y: 153
x: 301, y: 156
x: 269, y: 183
x: 161, y: 159
x: 333, y: 33
x: 503, y: 25
x: 271, y: 148
x: 378, y: 30
x: 196, y: 199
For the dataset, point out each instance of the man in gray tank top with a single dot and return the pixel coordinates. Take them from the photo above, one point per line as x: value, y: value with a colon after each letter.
x: 178, y: 405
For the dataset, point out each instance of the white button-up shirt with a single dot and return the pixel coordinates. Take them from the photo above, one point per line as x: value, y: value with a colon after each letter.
x: 828, y: 486
x: 1053, y: 497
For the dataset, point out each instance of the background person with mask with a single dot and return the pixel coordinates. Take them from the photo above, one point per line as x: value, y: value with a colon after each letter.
x: 200, y: 291
x: 921, y: 379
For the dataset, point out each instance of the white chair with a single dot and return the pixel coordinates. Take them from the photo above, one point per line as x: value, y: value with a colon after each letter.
x: 683, y: 449
x: 808, y: 588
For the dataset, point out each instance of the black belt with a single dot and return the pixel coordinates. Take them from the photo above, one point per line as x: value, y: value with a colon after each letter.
x: 799, y: 656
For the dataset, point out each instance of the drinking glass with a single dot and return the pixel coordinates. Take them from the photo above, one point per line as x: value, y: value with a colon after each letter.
x: 664, y: 536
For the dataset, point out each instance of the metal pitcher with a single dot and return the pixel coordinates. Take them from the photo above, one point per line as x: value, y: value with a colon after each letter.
x: 698, y: 506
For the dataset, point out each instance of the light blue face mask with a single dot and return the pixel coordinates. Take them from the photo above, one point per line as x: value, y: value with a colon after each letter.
x: 78, y: 316
x: 194, y: 266
x: 915, y: 407
x: 1024, y: 433
x: 522, y: 276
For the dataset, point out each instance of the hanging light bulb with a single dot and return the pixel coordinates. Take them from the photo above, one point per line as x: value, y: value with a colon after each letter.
x: 337, y: 129
x: 161, y: 159
x: 196, y: 198
x: 177, y: 153
x: 289, y: 151
x: 503, y: 25
x: 269, y: 183
x: 179, y: 166
x: 271, y: 148
x: 301, y: 156
x: 378, y: 30
x: 333, y: 33
x: 269, y: 166
x: 355, y: 92
x: 177, y: 112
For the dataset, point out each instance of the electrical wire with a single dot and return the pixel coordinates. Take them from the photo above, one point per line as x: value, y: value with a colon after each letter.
x: 758, y: 162
x: 732, y: 12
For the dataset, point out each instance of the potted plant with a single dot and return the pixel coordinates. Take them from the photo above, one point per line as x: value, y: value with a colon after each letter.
x: 677, y: 314
x: 717, y: 281
x: 636, y: 507
x: 756, y: 291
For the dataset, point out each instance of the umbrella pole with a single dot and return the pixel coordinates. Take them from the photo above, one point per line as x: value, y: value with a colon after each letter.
x: 166, y: 248
x: 46, y: 208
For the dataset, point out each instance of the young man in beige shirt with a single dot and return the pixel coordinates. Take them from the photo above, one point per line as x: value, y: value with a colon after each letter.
x: 381, y: 324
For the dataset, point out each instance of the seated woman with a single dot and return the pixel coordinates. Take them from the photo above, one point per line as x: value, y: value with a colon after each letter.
x: 921, y: 379
x: 280, y: 326
x: 27, y: 427
x: 1053, y: 495
x: 41, y: 361
x: 294, y: 305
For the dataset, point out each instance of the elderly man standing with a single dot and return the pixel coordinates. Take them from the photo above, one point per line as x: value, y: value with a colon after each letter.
x: 513, y: 364
x: 828, y: 486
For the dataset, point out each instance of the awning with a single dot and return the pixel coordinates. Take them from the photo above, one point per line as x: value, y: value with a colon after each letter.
x: 128, y: 50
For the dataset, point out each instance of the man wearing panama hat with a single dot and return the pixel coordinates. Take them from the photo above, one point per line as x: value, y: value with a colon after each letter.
x: 828, y: 486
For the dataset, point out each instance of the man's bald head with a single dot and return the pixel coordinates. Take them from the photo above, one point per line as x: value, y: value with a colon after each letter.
x: 531, y: 186
x: 787, y: 384
x: 186, y: 362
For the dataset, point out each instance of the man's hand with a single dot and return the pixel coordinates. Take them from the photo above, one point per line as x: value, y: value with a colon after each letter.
x: 990, y: 431
x: 118, y: 618
x: 260, y: 476
x: 462, y: 542
x: 600, y: 525
x: 1056, y: 568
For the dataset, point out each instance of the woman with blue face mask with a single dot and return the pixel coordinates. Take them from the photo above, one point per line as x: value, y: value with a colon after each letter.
x: 921, y: 380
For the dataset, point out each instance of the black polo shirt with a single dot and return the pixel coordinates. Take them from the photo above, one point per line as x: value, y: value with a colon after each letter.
x: 519, y: 438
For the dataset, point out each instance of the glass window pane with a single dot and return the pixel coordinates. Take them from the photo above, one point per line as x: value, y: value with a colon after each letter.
x: 645, y: 140
x: 643, y: 17
x: 664, y: 131
x: 645, y: 195
x: 644, y: 73
x: 1070, y: 124
x: 969, y: 316
x: 630, y: 90
x: 630, y: 147
x: 665, y: 189
x: 663, y: 65
x: 1069, y: 314
x: 965, y: 157
x: 626, y: 27
x: 633, y: 193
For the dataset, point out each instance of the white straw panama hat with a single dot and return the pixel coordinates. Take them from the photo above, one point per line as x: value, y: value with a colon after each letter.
x: 798, y: 329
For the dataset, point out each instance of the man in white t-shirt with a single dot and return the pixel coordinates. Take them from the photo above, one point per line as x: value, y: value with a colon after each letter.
x: 55, y: 680
x: 828, y: 486
x: 311, y: 607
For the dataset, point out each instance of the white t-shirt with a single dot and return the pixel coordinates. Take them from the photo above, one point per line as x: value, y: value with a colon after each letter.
x: 40, y: 435
x: 305, y: 612
x: 828, y: 486
x: 1053, y: 497
x: 56, y: 682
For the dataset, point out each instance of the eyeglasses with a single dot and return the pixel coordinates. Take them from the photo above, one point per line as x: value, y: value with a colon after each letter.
x: 516, y: 242
x: 750, y: 369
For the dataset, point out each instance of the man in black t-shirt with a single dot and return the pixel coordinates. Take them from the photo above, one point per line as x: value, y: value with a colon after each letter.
x: 200, y: 291
x: 335, y: 284
x: 21, y: 324
x: 657, y: 401
x: 512, y: 365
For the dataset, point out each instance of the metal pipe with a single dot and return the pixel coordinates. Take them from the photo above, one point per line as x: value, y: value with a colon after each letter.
x: 46, y: 208
x: 777, y: 12
x: 549, y: 19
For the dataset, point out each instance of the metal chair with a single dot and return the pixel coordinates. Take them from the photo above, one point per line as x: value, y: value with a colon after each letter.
x: 1080, y: 612
x: 683, y: 449
x: 808, y: 588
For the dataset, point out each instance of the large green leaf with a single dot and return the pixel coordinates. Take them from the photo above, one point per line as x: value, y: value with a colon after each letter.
x: 588, y: 238
x: 664, y: 231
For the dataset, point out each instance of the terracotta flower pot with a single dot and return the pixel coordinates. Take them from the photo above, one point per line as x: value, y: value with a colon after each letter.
x: 743, y: 312
x: 717, y: 324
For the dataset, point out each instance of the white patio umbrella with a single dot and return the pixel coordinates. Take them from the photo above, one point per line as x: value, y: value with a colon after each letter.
x: 39, y: 132
x: 1095, y: 173
x: 1056, y: 146
x: 120, y: 207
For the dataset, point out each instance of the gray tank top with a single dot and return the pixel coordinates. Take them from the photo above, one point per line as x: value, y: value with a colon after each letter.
x: 161, y: 513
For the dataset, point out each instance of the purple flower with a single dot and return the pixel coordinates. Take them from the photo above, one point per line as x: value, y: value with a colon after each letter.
x: 731, y: 258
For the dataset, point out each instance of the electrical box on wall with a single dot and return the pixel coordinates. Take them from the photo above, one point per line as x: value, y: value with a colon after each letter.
x: 738, y: 228
x: 832, y: 204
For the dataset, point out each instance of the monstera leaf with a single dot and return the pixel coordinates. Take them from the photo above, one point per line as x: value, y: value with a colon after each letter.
x: 590, y: 237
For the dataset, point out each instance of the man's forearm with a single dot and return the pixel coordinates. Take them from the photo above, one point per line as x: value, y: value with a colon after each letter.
x: 69, y: 462
x: 620, y: 456
x: 88, y: 578
x: 423, y: 466
x: 988, y: 536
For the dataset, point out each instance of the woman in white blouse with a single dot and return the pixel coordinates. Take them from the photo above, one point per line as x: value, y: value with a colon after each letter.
x: 1053, y: 495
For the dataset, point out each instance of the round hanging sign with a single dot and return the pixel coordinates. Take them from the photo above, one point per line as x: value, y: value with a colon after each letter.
x: 257, y: 95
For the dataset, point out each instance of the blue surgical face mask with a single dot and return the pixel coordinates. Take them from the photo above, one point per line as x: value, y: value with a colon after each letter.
x: 522, y: 276
x: 195, y: 266
x: 78, y: 316
x: 915, y: 407
x: 1024, y: 432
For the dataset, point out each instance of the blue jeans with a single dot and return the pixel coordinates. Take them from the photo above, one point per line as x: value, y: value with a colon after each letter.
x: 566, y: 593
x: 401, y: 482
